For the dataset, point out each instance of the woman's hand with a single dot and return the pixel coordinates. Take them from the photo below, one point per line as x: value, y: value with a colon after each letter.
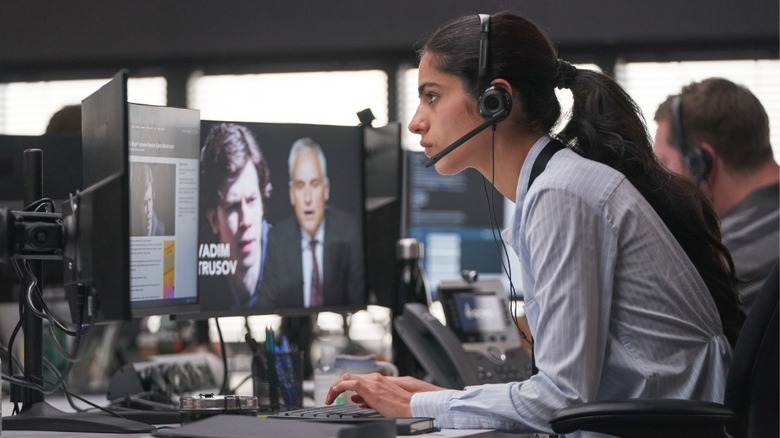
x: 390, y: 396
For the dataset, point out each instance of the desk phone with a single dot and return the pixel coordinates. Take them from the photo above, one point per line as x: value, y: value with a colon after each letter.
x: 480, y: 344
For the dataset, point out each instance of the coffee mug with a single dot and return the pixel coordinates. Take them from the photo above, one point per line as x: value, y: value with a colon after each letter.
x: 348, y: 363
x: 364, y: 365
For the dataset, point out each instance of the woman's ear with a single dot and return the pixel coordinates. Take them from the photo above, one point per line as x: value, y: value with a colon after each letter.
x: 502, y: 83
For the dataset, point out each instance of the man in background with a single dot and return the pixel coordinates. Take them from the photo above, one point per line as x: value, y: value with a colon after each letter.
x: 315, y: 258
x: 716, y: 133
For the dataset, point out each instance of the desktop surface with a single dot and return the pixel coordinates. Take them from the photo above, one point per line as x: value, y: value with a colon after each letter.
x: 446, y: 433
x: 61, y: 403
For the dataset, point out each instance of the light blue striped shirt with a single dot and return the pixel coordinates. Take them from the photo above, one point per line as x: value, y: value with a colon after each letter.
x: 616, y: 308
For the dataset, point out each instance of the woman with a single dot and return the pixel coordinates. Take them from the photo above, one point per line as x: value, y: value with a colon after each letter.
x: 627, y: 288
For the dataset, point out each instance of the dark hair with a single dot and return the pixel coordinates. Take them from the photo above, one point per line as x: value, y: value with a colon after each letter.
x: 227, y: 149
x: 605, y: 126
x: 728, y: 117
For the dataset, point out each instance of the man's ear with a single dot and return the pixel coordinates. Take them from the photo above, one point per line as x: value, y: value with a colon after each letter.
x: 292, y: 195
x: 326, y: 188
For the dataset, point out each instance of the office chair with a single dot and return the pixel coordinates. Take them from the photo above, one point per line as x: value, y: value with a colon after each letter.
x: 750, y: 407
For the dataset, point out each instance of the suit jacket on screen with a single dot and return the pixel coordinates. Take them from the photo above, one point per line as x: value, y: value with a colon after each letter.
x: 343, y: 265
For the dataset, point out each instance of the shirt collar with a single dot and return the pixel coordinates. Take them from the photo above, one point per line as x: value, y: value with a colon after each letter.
x: 319, y: 235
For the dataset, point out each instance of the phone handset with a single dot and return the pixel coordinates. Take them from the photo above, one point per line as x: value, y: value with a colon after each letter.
x: 436, y: 348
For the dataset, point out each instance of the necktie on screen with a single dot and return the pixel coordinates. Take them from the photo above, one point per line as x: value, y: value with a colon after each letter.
x: 316, y: 285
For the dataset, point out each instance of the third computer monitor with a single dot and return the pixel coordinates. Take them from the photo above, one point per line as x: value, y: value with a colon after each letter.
x: 450, y: 215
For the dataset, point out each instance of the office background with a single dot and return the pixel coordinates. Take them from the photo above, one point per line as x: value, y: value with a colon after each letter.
x: 322, y: 61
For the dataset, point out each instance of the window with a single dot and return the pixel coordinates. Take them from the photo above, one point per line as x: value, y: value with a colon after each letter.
x: 26, y: 107
x: 327, y: 98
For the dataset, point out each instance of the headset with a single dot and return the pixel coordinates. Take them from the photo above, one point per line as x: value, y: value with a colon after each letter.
x: 696, y: 159
x: 495, y: 102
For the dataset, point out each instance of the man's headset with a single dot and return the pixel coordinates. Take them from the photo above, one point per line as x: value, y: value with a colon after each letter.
x: 698, y: 161
x: 495, y: 102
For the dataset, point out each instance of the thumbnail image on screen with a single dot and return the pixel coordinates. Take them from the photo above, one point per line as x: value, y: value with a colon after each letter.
x: 281, y: 218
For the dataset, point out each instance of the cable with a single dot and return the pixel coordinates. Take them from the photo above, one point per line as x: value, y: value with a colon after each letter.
x: 244, y: 380
x: 501, y: 245
x: 32, y: 283
x: 224, y: 388
x: 44, y: 311
x: 43, y: 202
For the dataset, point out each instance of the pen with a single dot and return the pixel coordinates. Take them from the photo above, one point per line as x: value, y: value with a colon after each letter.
x: 286, y: 373
x: 259, y: 371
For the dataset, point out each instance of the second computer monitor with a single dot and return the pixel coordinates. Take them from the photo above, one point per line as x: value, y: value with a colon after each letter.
x: 281, y: 219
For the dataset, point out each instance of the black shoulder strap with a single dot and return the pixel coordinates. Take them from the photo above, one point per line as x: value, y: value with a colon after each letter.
x: 541, y: 160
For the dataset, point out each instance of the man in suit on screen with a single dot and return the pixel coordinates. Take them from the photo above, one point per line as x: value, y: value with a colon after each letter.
x: 315, y: 258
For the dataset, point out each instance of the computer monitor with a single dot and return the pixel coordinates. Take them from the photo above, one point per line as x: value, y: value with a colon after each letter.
x: 97, y: 218
x: 450, y: 216
x: 384, y: 168
x: 256, y: 223
x: 133, y: 227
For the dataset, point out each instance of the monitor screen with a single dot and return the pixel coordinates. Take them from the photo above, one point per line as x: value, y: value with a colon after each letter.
x: 163, y: 160
x: 477, y: 313
x: 281, y: 219
x: 450, y: 216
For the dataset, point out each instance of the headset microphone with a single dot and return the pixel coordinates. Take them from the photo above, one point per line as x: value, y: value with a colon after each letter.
x: 491, y: 121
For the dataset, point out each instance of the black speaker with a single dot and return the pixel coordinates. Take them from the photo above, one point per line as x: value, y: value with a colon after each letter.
x: 493, y: 100
x: 698, y: 161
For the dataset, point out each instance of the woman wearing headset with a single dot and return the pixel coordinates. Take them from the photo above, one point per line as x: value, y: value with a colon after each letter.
x: 628, y: 291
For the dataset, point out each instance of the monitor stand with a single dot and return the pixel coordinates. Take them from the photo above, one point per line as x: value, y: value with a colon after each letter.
x: 36, y: 414
x: 43, y: 416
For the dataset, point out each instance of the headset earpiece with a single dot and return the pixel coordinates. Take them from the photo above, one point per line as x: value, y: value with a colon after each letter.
x: 493, y: 101
x: 698, y: 161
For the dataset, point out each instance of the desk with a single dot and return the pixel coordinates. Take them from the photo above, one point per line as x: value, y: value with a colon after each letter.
x: 448, y: 433
x: 60, y: 403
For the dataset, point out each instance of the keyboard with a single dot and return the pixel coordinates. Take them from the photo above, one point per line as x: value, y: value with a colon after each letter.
x: 356, y: 414
x: 343, y: 412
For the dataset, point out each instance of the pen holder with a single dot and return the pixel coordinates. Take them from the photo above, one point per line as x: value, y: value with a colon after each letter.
x: 278, y: 383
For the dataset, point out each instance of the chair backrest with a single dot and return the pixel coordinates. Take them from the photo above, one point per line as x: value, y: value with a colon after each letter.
x: 752, y: 384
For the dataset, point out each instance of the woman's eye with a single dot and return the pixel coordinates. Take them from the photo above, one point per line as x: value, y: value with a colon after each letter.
x: 431, y: 97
